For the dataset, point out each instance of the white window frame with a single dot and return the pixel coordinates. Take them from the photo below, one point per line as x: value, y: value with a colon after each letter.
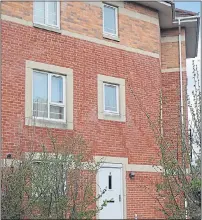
x: 116, y: 18
x: 121, y: 116
x: 46, y: 15
x: 117, y: 98
x: 49, y: 96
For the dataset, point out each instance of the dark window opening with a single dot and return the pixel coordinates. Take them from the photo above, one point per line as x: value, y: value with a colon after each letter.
x: 110, y: 181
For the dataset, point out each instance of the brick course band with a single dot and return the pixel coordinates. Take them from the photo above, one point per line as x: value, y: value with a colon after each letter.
x: 172, y: 39
x: 171, y: 70
x: 83, y: 37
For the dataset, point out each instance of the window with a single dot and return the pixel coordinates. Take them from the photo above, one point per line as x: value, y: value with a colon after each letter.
x: 111, y: 98
x: 48, y: 95
x: 110, y: 23
x: 46, y: 13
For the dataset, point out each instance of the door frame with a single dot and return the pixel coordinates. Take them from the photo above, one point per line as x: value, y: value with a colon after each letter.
x: 119, y: 166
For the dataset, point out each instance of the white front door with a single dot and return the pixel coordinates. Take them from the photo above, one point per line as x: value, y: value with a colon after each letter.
x: 110, y: 178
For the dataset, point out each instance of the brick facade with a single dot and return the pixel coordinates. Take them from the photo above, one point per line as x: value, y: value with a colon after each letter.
x: 143, y: 73
x: 79, y: 21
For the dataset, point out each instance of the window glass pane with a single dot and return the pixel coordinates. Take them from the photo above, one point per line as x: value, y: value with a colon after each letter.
x: 39, y: 12
x: 56, y: 112
x: 52, y: 13
x: 57, y: 89
x: 40, y: 94
x: 110, y: 98
x: 109, y: 20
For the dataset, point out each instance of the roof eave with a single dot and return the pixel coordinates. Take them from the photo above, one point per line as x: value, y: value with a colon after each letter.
x: 167, y: 20
x: 191, y: 26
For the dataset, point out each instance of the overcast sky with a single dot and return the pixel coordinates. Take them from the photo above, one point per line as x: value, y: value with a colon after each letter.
x: 189, y: 6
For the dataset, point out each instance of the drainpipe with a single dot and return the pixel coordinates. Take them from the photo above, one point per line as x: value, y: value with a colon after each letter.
x: 181, y: 87
x: 182, y: 105
x: 179, y: 21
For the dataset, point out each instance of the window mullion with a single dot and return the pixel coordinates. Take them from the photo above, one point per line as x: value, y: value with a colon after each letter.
x: 49, y: 94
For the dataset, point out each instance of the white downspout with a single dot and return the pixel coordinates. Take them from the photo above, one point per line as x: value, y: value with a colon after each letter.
x: 181, y: 82
x: 179, y: 21
x: 182, y: 103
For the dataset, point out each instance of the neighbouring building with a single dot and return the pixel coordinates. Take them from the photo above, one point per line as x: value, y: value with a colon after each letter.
x: 93, y: 68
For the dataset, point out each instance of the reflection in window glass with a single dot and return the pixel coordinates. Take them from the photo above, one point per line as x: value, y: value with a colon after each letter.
x: 48, y: 95
x: 40, y: 94
x: 57, y: 89
x: 110, y: 19
x: 39, y: 12
x: 46, y: 13
x: 56, y: 112
x: 52, y: 13
x: 110, y: 96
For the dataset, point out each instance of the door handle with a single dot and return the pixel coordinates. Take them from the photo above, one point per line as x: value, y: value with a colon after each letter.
x: 119, y: 198
x: 110, y: 201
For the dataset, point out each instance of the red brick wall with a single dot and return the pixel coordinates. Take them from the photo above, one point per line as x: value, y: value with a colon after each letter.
x: 171, y: 104
x: 141, y: 9
x: 170, y: 55
x: 171, y: 85
x: 138, y: 189
x: 134, y: 138
x: 86, y: 19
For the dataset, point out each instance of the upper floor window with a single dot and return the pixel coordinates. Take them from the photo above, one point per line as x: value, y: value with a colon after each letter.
x: 110, y: 21
x: 47, y: 13
x: 48, y: 95
x: 111, y: 98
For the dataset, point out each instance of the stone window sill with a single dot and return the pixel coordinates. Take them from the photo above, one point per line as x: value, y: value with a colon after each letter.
x: 47, y: 28
x: 48, y: 123
x: 112, y: 117
x: 110, y: 37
